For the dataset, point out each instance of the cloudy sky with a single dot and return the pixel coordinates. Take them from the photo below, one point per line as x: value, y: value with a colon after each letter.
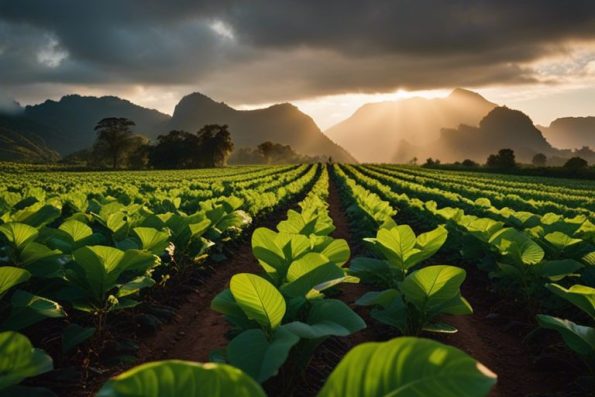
x: 327, y: 56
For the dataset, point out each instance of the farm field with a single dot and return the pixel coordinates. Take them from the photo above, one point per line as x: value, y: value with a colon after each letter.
x: 281, y: 276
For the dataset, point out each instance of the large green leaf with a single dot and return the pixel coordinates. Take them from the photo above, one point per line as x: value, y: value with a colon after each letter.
x: 436, y: 288
x: 27, y: 309
x: 579, y: 338
x: 408, y: 367
x: 259, y: 299
x: 428, y: 244
x: 152, y: 239
x: 371, y: 270
x: 337, y: 251
x: 561, y: 241
x: 38, y: 215
x: 175, y: 378
x: 19, y: 234
x: 518, y: 246
x: 557, y: 269
x: 581, y: 296
x: 19, y: 360
x: 11, y: 276
x: 396, y: 244
x: 259, y: 357
x: 327, y: 317
x: 76, y: 230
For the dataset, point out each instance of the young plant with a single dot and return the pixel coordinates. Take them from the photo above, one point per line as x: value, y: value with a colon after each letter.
x: 424, y: 295
x: 400, y: 250
x: 522, y: 262
x: 103, y: 279
x: 271, y: 324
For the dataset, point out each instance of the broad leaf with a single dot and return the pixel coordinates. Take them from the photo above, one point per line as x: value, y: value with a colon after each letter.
x: 11, y: 276
x: 579, y: 338
x: 436, y: 288
x: 18, y: 234
x: 327, y: 317
x: 258, y: 356
x: 175, y: 378
x: 408, y: 367
x: 581, y: 296
x: 259, y: 299
x: 19, y: 360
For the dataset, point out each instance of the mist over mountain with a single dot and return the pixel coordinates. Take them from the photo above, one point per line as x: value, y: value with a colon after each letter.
x: 500, y: 128
x: 571, y: 132
x: 283, y: 123
x: 373, y: 133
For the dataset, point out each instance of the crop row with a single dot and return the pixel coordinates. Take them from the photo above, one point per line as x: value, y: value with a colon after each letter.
x: 548, y: 275
x: 279, y: 318
x: 97, y: 254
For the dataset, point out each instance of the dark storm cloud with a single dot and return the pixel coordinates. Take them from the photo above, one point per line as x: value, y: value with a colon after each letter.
x: 304, y: 47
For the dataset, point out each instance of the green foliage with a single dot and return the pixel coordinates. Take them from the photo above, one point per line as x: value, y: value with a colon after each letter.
x: 19, y: 360
x: 422, y: 296
x: 400, y: 250
x: 408, y: 367
x: 175, y: 378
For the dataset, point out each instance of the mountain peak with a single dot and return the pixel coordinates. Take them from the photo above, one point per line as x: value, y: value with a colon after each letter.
x: 462, y: 93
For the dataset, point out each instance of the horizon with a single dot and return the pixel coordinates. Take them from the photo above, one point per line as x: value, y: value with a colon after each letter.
x: 537, y: 57
x: 317, y: 107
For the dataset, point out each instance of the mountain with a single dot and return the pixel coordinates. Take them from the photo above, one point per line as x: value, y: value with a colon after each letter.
x: 68, y: 125
x: 72, y: 119
x: 500, y: 128
x: 19, y: 141
x: 283, y: 123
x: 571, y: 132
x: 373, y: 132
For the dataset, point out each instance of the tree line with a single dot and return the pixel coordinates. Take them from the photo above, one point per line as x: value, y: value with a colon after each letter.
x: 117, y: 146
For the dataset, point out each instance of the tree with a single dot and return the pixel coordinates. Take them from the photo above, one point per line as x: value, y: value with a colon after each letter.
x: 114, y: 140
x: 504, y: 159
x: 576, y: 163
x: 539, y: 160
x: 267, y: 148
x: 215, y: 145
x: 469, y: 163
x: 138, y: 157
x: 176, y: 149
x: 209, y: 147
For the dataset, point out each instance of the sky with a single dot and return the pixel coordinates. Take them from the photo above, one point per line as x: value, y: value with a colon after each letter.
x: 327, y: 57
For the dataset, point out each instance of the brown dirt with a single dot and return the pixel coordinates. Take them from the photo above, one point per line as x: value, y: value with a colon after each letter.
x: 197, y: 330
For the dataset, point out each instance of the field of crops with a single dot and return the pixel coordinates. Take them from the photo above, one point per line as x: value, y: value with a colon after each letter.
x: 305, y: 280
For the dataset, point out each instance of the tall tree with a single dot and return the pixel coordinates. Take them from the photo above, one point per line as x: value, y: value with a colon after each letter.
x: 539, y: 160
x: 504, y: 159
x: 209, y: 147
x: 216, y: 145
x: 114, y: 139
x: 266, y: 149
